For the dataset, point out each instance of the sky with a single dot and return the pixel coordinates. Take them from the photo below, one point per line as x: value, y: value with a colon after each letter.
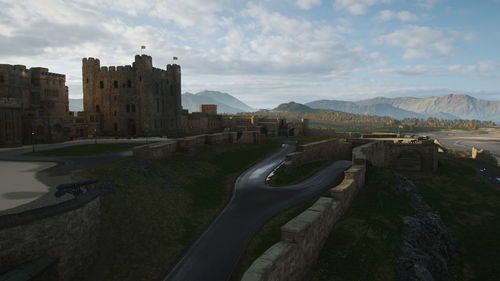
x: 270, y: 51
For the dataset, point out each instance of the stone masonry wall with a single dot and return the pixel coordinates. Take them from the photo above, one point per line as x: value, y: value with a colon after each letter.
x: 165, y: 149
x: 332, y: 149
x: 66, y: 231
x: 303, y: 237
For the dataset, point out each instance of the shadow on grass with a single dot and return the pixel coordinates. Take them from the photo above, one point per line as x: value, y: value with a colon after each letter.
x: 471, y: 209
x: 365, y: 241
x: 155, y: 209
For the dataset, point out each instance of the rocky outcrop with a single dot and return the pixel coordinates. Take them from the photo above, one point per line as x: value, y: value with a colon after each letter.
x: 428, y: 250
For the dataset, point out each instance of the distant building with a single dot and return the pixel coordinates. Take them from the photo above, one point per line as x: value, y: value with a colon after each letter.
x: 208, y: 108
x: 133, y: 100
x: 33, y: 105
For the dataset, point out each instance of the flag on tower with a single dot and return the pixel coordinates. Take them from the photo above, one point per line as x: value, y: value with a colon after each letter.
x: 175, y: 58
x: 143, y: 47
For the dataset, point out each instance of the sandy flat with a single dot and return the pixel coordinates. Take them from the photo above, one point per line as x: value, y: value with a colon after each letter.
x: 18, y: 184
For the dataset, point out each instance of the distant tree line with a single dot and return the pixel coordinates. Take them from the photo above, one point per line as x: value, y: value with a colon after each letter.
x: 331, y: 119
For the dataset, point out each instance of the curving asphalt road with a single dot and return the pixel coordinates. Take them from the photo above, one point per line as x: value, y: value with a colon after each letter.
x: 215, y: 255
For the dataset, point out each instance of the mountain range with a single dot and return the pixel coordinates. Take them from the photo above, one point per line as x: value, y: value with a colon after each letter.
x: 446, y: 107
x: 225, y: 102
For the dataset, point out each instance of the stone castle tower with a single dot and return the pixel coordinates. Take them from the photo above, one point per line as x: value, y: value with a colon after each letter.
x: 133, y: 100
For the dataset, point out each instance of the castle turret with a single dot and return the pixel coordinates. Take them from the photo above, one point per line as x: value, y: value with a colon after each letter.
x: 90, y: 68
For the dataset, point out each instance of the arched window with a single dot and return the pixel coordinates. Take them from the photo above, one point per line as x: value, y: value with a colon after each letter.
x: 128, y: 107
x: 87, y: 80
x: 129, y: 84
x: 115, y: 84
x: 101, y: 84
x: 133, y: 107
x: 97, y: 108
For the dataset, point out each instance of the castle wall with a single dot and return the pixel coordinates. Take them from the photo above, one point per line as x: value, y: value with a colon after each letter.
x: 67, y: 231
x: 165, y: 149
x: 41, y: 99
x: 332, y: 149
x: 303, y: 237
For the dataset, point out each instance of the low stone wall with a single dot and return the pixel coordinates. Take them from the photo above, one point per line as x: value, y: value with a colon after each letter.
x: 332, y: 149
x: 303, y: 237
x: 156, y: 150
x: 248, y: 137
x: 331, y: 133
x: 165, y: 149
x: 67, y: 231
x: 190, y: 143
x: 221, y: 138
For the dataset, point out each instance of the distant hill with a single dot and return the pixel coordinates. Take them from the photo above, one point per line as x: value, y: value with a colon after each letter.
x: 293, y: 107
x: 75, y: 104
x: 225, y: 102
x: 380, y: 109
x: 446, y: 107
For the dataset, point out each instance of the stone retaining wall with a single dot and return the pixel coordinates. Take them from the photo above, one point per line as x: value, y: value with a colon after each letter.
x: 303, y: 237
x: 67, y: 231
x: 332, y: 149
x: 165, y: 149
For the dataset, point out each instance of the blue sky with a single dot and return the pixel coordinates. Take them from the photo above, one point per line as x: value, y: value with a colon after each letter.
x: 269, y: 51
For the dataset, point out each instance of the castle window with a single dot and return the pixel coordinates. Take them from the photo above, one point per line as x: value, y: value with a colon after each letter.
x: 128, y: 107
x: 129, y: 84
x: 87, y: 81
x: 157, y: 105
x: 140, y: 78
x: 97, y: 108
x: 115, y: 126
x: 133, y: 107
x: 115, y: 84
x: 101, y: 84
x: 2, y: 79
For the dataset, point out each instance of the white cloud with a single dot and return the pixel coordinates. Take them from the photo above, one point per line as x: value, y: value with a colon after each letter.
x: 387, y: 15
x: 419, y: 41
x: 356, y: 7
x: 307, y: 4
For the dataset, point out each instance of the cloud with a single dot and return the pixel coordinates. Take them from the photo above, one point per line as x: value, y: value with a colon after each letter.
x: 387, y: 15
x: 307, y: 4
x: 356, y: 7
x: 186, y: 13
x: 420, y: 41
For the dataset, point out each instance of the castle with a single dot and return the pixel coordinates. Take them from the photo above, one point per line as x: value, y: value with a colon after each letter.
x: 119, y: 101
x: 33, y: 105
x: 133, y: 100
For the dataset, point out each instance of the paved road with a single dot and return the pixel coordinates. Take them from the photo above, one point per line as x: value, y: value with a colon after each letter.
x: 215, y: 255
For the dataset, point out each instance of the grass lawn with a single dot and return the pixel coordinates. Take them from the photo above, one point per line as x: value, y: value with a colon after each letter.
x: 297, y: 174
x: 471, y: 209
x: 156, y: 209
x: 85, y: 149
x: 365, y: 241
